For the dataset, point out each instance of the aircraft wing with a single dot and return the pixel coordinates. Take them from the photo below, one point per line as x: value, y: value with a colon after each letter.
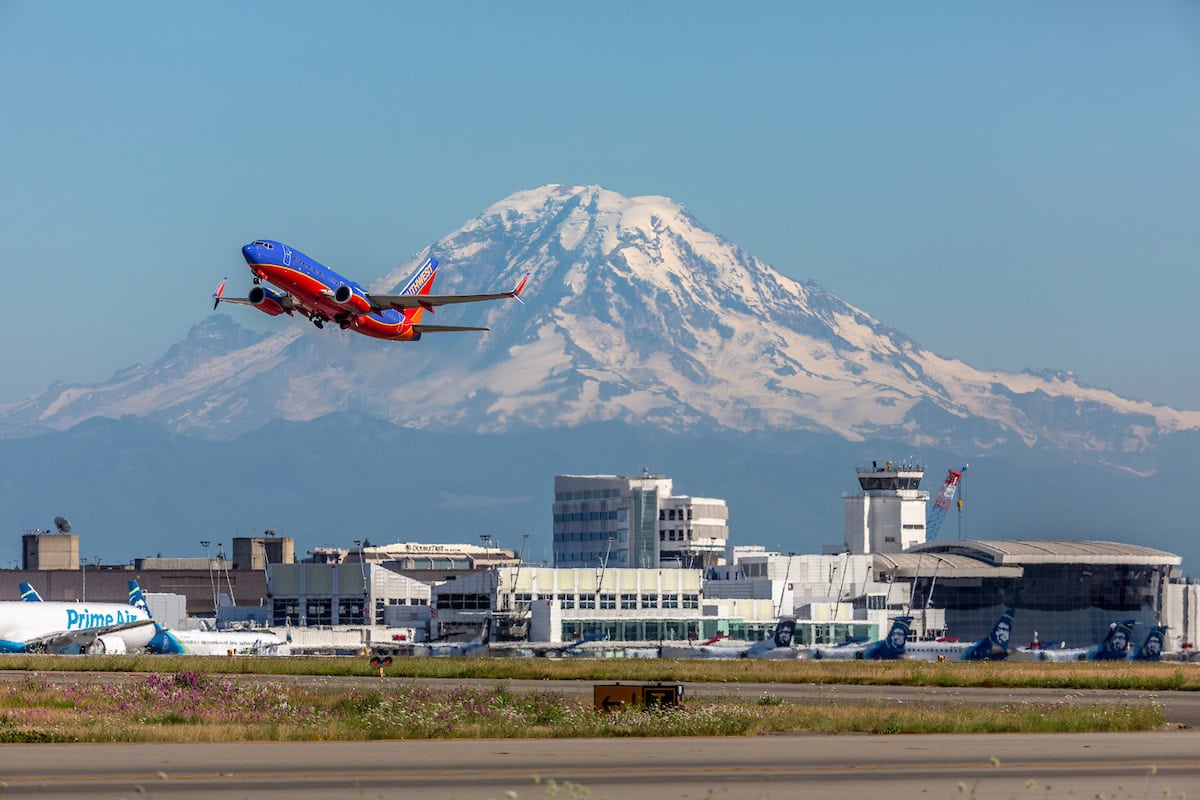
x: 59, y: 640
x: 381, y: 302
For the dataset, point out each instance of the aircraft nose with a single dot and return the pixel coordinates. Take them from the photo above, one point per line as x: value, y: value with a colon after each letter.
x: 250, y: 253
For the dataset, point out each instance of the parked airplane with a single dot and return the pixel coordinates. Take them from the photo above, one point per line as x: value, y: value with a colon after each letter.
x: 779, y: 646
x: 476, y: 647
x: 317, y: 292
x: 1114, y: 646
x: 34, y: 625
x: 892, y: 647
x: 219, y: 643
x: 992, y: 647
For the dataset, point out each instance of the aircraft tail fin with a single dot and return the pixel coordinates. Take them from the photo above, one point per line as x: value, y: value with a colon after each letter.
x: 894, y: 645
x: 784, y: 631
x: 136, y: 598
x: 995, y: 644
x: 1151, y: 649
x: 1116, y: 644
x: 29, y: 594
x: 420, y: 283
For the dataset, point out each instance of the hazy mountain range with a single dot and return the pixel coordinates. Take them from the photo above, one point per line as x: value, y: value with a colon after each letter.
x: 645, y: 340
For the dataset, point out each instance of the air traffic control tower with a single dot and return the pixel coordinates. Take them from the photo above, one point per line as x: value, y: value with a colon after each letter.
x: 888, y: 515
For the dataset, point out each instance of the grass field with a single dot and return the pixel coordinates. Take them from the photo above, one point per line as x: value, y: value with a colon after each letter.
x: 1075, y: 675
x: 195, y: 706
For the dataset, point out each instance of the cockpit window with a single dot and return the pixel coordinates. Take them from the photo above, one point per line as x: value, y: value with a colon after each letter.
x: 267, y: 245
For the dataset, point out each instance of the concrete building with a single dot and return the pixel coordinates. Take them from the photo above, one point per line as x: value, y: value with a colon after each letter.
x: 547, y: 604
x: 45, y: 550
x: 635, y: 523
x: 692, y: 531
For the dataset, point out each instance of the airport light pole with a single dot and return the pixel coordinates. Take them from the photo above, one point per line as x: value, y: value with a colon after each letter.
x: 362, y: 568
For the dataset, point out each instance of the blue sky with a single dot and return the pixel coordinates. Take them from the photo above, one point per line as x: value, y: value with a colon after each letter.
x: 1012, y: 184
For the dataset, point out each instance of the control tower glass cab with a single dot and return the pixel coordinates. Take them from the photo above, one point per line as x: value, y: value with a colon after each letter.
x: 890, y: 476
x: 888, y: 515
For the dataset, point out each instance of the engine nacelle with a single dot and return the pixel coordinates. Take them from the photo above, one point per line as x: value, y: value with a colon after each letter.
x: 266, y: 301
x: 107, y: 644
x: 346, y: 297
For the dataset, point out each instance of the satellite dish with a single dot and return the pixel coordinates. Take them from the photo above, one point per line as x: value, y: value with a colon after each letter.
x: 62, y: 524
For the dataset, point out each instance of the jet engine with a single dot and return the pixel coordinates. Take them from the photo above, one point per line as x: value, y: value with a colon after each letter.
x: 266, y: 301
x: 346, y: 297
x: 106, y: 644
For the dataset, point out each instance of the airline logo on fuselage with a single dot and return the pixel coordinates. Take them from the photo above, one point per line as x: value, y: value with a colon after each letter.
x: 81, y: 619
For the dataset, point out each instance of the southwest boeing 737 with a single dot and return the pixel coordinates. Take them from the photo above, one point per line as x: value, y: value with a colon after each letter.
x: 305, y: 286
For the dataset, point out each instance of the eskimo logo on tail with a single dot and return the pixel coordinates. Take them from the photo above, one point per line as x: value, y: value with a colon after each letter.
x: 1116, y: 644
x: 784, y: 631
x: 995, y: 644
x: 1001, y: 633
x: 1152, y: 648
x: 897, y: 637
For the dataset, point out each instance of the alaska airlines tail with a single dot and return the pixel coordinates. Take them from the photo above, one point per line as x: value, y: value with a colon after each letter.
x: 893, y: 646
x: 420, y: 283
x: 1115, y: 644
x: 29, y: 594
x: 1152, y: 648
x: 995, y: 645
x: 779, y: 645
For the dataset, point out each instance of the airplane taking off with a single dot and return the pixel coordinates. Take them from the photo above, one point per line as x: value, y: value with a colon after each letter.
x: 779, y: 646
x: 32, y: 625
x: 894, y: 646
x: 1114, y: 647
x: 307, y: 287
x: 992, y: 647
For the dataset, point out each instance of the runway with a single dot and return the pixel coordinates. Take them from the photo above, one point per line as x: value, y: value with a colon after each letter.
x: 897, y: 767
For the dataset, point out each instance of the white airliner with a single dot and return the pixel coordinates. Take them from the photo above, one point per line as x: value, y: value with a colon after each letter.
x: 779, y: 646
x: 31, y: 625
x: 992, y: 647
x: 219, y: 643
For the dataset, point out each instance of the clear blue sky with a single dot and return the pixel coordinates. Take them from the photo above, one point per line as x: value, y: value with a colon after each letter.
x: 1015, y: 184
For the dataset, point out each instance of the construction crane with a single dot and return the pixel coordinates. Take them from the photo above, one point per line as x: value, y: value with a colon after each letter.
x: 941, y: 502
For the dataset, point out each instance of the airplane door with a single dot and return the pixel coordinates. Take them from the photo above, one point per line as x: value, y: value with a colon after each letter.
x: 287, y: 256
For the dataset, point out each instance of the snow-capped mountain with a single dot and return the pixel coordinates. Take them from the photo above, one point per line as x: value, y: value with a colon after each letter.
x: 635, y: 312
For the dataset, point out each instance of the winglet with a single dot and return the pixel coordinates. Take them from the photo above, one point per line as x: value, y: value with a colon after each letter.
x: 516, y: 293
x: 217, y: 294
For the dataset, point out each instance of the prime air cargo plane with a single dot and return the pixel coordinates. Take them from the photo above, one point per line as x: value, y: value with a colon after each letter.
x: 31, y: 625
x: 317, y: 292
